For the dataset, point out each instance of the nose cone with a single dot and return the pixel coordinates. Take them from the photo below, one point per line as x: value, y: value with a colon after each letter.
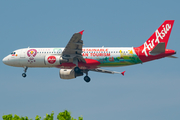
x: 5, y: 60
x: 11, y: 61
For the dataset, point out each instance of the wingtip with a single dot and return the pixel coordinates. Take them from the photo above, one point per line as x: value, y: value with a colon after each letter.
x: 81, y: 32
x: 123, y: 73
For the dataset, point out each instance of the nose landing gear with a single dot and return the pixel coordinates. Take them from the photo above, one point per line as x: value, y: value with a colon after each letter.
x: 24, y: 75
x: 25, y: 69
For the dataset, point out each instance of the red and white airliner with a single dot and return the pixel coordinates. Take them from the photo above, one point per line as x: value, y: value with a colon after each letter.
x: 74, y: 60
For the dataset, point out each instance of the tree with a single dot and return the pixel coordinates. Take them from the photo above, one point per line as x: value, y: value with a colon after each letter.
x: 49, y: 117
x: 66, y: 116
x: 61, y: 116
x: 16, y: 117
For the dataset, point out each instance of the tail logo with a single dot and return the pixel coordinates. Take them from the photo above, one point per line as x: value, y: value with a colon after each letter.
x: 150, y: 44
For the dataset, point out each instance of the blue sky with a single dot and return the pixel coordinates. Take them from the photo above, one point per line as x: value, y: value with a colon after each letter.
x: 148, y: 91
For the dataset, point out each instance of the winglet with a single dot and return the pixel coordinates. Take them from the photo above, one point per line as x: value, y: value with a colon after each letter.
x: 123, y: 73
x: 81, y: 32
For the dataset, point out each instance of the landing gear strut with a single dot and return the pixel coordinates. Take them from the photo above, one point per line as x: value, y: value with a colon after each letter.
x: 80, y: 72
x: 25, y: 69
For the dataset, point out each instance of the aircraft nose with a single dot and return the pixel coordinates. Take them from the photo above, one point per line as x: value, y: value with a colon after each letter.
x: 5, y: 60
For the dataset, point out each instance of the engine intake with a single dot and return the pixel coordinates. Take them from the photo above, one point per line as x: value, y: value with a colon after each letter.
x: 69, y: 74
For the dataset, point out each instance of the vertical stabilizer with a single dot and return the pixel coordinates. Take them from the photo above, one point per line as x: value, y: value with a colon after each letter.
x: 161, y: 35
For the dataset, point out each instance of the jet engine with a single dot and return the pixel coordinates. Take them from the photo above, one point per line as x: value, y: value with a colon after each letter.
x: 69, y: 74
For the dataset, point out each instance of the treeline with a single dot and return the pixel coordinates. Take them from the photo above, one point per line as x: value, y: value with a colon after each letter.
x: 66, y: 115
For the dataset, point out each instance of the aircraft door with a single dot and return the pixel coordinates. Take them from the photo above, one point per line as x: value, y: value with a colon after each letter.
x: 22, y: 60
x: 23, y: 54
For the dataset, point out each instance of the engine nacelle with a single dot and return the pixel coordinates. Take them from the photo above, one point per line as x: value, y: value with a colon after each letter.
x: 69, y: 74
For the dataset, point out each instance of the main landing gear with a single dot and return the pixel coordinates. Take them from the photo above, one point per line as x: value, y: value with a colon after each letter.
x: 87, y: 78
x: 25, y: 69
x: 80, y: 72
x: 77, y: 69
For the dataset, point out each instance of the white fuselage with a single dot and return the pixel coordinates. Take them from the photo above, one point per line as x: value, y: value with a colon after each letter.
x: 22, y: 57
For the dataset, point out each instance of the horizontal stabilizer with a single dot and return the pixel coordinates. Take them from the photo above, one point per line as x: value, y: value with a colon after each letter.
x: 160, y: 48
x: 107, y: 71
x: 172, y: 56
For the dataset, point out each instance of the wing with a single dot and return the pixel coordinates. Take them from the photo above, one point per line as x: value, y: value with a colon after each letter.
x: 74, y: 48
x: 107, y: 71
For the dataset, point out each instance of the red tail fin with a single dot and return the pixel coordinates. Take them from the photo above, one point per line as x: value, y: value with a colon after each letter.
x: 160, y: 35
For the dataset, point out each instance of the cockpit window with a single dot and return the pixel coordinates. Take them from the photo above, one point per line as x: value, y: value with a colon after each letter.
x: 13, y: 53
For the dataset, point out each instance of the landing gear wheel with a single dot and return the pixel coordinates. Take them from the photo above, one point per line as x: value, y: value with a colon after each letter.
x: 24, y: 75
x: 76, y: 69
x: 25, y: 70
x: 87, y: 79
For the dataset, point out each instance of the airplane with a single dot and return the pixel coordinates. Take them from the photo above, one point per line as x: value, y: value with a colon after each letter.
x: 75, y: 60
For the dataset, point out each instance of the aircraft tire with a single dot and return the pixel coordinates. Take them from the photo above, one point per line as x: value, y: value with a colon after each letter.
x: 77, y: 69
x: 24, y: 75
x: 87, y: 79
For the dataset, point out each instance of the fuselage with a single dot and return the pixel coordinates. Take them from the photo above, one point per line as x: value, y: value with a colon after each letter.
x: 94, y: 56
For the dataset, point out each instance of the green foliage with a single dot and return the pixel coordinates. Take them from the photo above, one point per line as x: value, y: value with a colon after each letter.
x: 16, y: 117
x: 80, y: 118
x: 64, y: 116
x: 37, y: 117
x: 61, y: 116
x: 49, y: 117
